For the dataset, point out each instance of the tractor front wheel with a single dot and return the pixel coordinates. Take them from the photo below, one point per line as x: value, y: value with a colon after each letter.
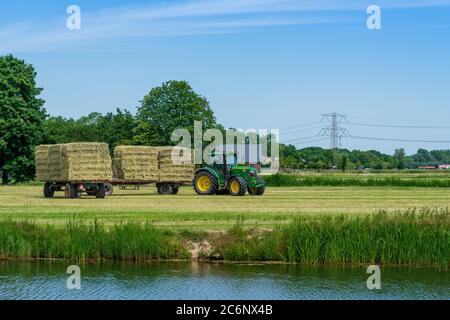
x: 205, y: 183
x: 237, y: 186
x: 259, y: 191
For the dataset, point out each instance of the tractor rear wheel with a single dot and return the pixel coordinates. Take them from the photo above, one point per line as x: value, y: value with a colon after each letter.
x: 259, y: 191
x: 48, y: 190
x: 237, y: 186
x: 205, y: 183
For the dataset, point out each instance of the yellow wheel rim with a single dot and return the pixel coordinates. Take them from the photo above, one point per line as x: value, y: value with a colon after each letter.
x: 203, y: 183
x: 235, y: 186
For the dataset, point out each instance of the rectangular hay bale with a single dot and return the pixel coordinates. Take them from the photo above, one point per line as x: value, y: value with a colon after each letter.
x: 84, y: 161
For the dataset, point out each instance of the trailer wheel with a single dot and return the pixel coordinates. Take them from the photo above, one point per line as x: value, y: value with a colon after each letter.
x: 49, y: 192
x: 70, y: 191
x: 108, y: 189
x: 101, y: 192
x: 175, y: 189
x: 164, y: 188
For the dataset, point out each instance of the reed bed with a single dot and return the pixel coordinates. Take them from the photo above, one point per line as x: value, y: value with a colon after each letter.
x: 81, y: 241
x: 398, y: 180
x: 416, y: 237
x: 411, y: 238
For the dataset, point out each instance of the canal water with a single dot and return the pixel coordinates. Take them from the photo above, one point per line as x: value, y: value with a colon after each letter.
x: 190, y: 280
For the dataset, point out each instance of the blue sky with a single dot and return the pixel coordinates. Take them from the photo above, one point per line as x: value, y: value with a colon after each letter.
x: 276, y: 64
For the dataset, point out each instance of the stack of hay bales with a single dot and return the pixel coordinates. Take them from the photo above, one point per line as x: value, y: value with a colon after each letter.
x: 136, y: 163
x: 171, y: 170
x: 87, y: 161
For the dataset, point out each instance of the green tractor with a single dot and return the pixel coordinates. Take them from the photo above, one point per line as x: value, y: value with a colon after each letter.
x: 228, y: 178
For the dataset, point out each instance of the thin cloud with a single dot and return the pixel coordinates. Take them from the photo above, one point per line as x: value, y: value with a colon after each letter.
x: 184, y: 18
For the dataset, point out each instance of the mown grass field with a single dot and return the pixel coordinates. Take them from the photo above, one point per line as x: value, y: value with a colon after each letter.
x: 187, y: 210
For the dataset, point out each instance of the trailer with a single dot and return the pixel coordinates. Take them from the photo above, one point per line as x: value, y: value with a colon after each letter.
x: 101, y: 189
x: 163, y: 187
x: 78, y: 168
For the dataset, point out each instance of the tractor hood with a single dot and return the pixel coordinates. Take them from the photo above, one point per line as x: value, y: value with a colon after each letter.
x: 243, y: 168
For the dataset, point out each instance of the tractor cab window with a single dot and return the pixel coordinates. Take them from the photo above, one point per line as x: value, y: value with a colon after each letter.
x: 231, y: 160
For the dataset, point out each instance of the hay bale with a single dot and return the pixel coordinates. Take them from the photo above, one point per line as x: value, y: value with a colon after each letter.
x: 136, y: 163
x: 175, y: 170
x: 150, y: 164
x: 78, y: 162
x: 41, y: 160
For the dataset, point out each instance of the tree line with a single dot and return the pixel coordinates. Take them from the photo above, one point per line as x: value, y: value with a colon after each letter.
x: 24, y: 123
x: 343, y: 159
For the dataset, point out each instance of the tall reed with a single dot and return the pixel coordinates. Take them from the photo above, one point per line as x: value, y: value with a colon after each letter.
x: 410, y: 238
x: 80, y: 241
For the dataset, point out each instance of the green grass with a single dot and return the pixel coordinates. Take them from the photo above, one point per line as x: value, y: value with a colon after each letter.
x: 411, y: 238
x: 363, y: 180
x: 279, y: 205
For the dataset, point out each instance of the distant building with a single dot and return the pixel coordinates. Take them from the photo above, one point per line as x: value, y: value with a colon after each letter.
x: 426, y: 167
x: 444, y: 166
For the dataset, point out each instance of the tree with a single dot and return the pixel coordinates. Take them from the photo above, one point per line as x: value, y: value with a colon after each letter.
x: 22, y: 115
x: 399, y: 157
x: 112, y: 128
x: 172, y: 106
x: 423, y: 156
x: 344, y: 162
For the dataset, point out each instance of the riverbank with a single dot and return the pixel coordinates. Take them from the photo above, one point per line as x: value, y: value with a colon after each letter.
x: 409, y: 238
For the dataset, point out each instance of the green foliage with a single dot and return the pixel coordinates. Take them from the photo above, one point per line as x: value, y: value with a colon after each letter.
x: 21, y: 118
x: 112, y: 128
x: 344, y: 164
x: 321, y: 159
x: 172, y: 106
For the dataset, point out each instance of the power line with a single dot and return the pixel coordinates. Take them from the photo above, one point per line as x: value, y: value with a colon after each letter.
x: 334, y: 131
x: 309, y: 141
x: 302, y: 130
x: 397, y: 140
x: 300, y: 126
x: 396, y: 126
x: 304, y: 138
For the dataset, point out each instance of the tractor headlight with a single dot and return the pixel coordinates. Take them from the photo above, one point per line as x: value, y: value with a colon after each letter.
x: 252, y: 173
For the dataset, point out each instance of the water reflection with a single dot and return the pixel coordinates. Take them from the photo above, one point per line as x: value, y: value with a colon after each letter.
x: 193, y: 280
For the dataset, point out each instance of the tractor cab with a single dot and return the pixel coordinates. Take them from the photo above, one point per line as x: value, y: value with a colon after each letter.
x: 226, y: 176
